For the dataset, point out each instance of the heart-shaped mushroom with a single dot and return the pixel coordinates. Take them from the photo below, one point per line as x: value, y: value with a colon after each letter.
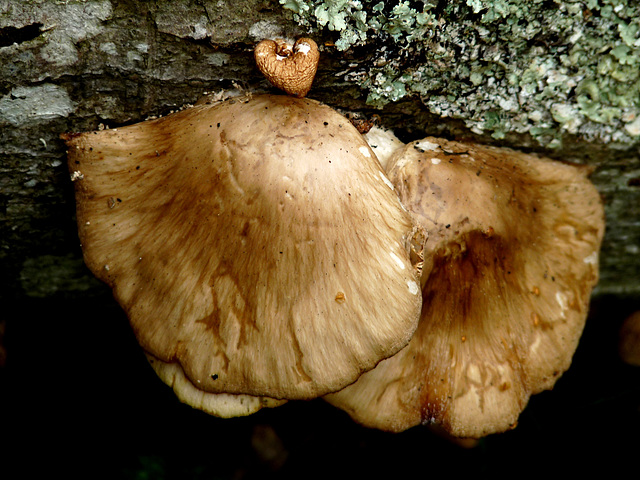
x: 291, y: 69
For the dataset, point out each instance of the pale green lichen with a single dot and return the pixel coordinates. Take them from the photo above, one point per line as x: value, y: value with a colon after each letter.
x: 547, y: 68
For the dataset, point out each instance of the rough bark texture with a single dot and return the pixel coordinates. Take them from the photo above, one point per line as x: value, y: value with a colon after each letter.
x: 76, y: 65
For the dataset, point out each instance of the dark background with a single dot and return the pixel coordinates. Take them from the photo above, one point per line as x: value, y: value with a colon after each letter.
x: 79, y: 399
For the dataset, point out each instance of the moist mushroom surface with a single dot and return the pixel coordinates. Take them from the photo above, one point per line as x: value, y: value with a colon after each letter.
x: 509, y: 265
x: 256, y: 245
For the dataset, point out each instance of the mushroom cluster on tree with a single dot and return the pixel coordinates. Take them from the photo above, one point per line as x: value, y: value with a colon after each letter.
x: 263, y: 254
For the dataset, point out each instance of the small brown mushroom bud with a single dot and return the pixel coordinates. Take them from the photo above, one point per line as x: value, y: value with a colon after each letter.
x: 289, y: 68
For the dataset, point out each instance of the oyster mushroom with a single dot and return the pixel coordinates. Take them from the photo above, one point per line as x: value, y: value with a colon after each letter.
x: 255, y: 245
x: 509, y: 265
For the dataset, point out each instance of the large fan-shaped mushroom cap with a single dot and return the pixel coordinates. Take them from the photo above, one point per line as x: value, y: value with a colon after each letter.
x: 509, y: 265
x: 256, y: 245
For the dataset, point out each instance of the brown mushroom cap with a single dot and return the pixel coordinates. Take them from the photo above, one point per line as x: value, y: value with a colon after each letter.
x: 256, y: 245
x: 509, y: 265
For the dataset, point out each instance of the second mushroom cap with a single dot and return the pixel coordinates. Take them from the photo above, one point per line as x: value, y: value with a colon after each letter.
x: 509, y: 265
